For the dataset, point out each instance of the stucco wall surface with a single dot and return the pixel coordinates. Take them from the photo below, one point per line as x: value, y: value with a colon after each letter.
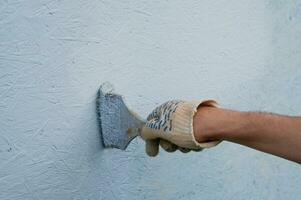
x: 55, y: 54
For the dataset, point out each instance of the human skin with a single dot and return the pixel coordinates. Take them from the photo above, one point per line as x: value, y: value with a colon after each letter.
x: 271, y: 133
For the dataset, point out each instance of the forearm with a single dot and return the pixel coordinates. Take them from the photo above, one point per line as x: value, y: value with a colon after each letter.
x: 275, y: 134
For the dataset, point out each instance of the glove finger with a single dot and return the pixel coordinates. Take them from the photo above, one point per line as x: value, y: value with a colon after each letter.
x: 184, y: 150
x: 197, y: 150
x: 168, y: 146
x: 152, y: 147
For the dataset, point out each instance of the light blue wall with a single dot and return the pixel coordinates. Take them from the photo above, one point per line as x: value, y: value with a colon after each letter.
x: 55, y: 54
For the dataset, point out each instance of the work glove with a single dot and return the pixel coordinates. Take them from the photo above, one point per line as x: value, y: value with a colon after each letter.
x: 170, y: 125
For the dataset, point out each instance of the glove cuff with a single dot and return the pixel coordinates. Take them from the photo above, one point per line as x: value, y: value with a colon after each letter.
x: 183, y: 124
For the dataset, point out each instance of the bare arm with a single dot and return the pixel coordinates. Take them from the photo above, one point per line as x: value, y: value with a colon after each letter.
x: 271, y: 133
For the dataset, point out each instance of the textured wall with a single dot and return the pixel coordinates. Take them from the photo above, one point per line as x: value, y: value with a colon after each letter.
x: 55, y: 54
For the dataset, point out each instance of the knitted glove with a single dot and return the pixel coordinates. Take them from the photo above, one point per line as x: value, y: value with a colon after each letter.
x: 171, y: 126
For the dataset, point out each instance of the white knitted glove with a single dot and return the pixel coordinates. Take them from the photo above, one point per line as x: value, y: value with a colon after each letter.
x: 171, y: 126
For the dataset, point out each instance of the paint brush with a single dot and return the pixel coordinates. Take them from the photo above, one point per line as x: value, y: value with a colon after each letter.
x: 118, y: 124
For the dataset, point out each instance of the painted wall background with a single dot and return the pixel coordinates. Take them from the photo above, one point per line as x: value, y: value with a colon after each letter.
x: 55, y: 54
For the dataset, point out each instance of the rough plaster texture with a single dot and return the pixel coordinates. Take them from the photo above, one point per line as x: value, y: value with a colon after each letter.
x: 55, y: 54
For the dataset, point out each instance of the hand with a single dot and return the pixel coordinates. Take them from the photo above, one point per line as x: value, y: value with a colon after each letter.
x: 170, y: 125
